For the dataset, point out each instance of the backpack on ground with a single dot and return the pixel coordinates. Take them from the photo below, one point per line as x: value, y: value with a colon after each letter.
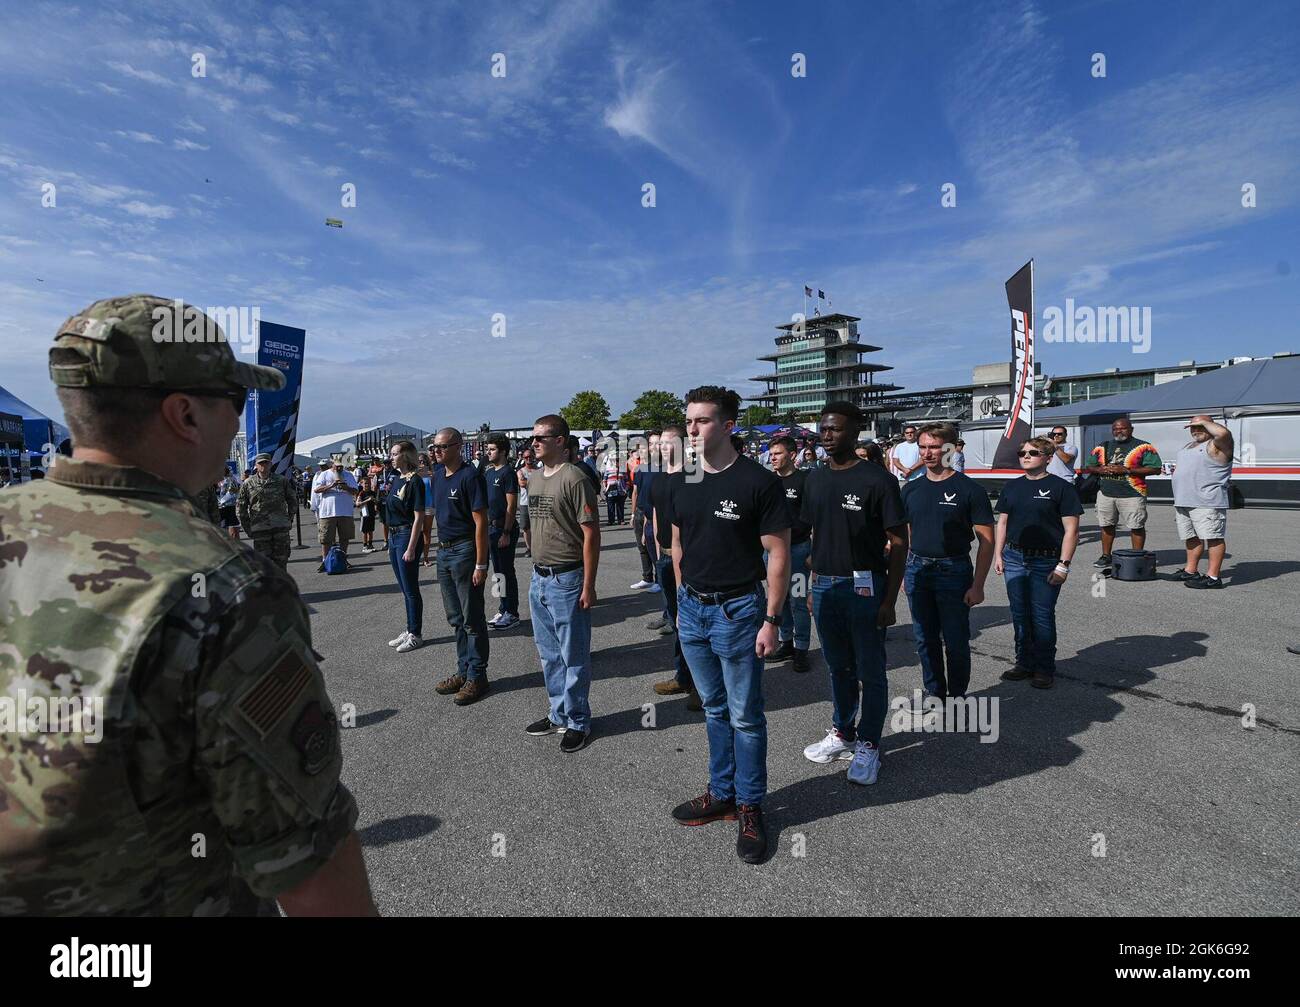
x: 336, y: 561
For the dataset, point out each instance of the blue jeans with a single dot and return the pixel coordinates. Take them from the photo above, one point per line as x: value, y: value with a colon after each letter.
x: 615, y: 508
x: 796, y: 621
x: 503, y: 562
x: 718, y: 641
x: 408, y: 577
x: 562, y: 632
x: 668, y: 580
x: 854, y: 649
x: 1033, y: 609
x: 941, y: 621
x: 464, y: 604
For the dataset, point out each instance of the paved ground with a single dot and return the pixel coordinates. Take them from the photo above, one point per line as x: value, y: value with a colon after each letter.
x: 1142, y: 741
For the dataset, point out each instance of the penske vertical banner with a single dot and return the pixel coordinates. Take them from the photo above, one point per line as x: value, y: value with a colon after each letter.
x: 1020, y: 421
x: 271, y: 418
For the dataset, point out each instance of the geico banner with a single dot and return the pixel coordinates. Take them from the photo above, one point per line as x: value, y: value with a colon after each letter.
x: 271, y: 418
x: 1020, y: 421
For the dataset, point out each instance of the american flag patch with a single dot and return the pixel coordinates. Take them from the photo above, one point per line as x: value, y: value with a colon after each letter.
x: 270, y: 699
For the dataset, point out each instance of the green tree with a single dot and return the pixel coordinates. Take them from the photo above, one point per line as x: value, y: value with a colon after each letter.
x: 756, y: 416
x: 654, y: 410
x: 586, y: 411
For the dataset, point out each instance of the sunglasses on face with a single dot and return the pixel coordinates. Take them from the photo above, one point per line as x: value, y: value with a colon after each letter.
x: 544, y: 437
x: 1058, y: 434
x: 237, y: 397
x: 1030, y: 454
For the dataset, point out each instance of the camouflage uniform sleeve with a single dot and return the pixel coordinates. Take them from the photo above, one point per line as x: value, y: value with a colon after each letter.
x: 267, y: 741
x: 290, y: 500
x: 241, y: 505
x: 214, y: 508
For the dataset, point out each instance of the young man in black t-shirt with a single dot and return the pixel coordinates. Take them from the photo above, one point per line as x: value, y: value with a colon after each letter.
x: 671, y: 447
x: 796, y: 623
x: 945, y: 511
x: 854, y: 509
x: 724, y: 514
x: 1038, y: 530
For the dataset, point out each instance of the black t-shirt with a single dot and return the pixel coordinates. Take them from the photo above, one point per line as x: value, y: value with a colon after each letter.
x: 1034, y: 508
x: 942, y: 514
x: 500, y: 481
x: 405, y: 499
x: 849, y: 510
x: 722, y: 516
x: 659, y: 492
x: 793, y: 486
x: 455, y: 499
x: 643, y: 482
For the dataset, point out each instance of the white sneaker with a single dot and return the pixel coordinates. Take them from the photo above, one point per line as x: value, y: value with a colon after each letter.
x: 412, y: 642
x: 829, y: 749
x: 641, y: 585
x: 495, y: 620
x: 397, y: 641
x: 865, y: 766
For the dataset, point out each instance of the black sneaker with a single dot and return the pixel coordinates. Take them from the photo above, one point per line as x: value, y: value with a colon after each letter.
x: 703, y: 810
x: 574, y: 741
x: 1185, y: 576
x: 543, y: 727
x: 1208, y: 582
x: 800, y: 660
x: 1102, y: 562
x: 659, y: 623
x: 1017, y: 674
x: 1041, y: 681
x: 751, y: 842
x: 782, y: 653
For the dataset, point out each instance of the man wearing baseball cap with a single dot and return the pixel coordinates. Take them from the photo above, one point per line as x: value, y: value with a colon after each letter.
x: 266, y: 508
x: 1201, y: 499
x: 189, y: 763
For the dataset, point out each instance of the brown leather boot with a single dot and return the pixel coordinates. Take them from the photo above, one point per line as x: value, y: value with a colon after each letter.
x: 449, y: 685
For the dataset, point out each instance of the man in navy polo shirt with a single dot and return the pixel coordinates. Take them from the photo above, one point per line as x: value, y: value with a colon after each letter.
x: 460, y: 502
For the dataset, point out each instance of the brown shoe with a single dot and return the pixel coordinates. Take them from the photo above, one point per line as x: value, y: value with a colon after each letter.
x: 449, y: 685
x: 669, y: 688
x: 693, y: 702
x: 471, y: 692
x: 1041, y: 681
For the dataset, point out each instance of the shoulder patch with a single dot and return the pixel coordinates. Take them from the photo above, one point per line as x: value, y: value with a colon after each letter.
x: 271, y: 696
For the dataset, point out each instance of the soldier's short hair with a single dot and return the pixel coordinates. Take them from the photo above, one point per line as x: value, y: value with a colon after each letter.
x: 784, y: 441
x: 110, y: 419
x: 727, y: 401
x: 946, y: 432
x: 502, y: 444
x: 846, y: 409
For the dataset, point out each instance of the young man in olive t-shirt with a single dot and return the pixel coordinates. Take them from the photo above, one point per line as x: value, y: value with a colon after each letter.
x: 566, y: 551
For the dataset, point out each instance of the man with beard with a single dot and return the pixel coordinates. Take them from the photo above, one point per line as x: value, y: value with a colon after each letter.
x: 1123, y: 463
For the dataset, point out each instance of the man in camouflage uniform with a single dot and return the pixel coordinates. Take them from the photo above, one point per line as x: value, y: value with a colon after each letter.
x: 188, y: 760
x: 266, y: 508
x: 208, y: 506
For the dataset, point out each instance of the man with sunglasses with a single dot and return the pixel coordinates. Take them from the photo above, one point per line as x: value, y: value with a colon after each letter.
x: 460, y: 501
x: 198, y: 709
x: 266, y: 506
x: 1061, y: 464
x: 566, y: 552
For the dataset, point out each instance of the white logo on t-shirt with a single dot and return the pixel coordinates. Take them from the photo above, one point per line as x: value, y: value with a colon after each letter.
x: 728, y: 510
x: 1044, y: 494
x: 851, y: 502
x: 949, y: 499
x: 791, y: 493
x: 452, y: 494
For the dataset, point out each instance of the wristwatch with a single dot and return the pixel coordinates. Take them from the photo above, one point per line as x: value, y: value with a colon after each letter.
x: 775, y: 620
x: 1064, y: 562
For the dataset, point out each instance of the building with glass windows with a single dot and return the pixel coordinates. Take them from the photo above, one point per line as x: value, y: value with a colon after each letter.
x: 820, y: 361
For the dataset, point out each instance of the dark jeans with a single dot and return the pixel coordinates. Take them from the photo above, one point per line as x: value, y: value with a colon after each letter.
x: 729, y: 678
x: 1033, y: 609
x: 503, y: 562
x: 854, y: 649
x: 668, y: 580
x: 796, y: 620
x: 464, y: 604
x: 644, y: 545
x: 614, y: 507
x: 408, y: 577
x: 941, y: 621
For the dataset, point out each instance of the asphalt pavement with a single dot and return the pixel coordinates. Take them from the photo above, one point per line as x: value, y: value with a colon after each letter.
x: 1159, y: 775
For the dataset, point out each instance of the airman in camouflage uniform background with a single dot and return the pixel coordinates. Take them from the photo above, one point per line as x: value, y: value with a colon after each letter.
x: 215, y: 770
x: 208, y: 504
x: 266, y: 507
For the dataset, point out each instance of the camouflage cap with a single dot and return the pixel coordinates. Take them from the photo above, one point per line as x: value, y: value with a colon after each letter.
x: 141, y: 341
x: 263, y: 457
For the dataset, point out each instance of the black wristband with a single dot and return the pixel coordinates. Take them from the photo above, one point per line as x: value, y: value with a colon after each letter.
x: 775, y: 620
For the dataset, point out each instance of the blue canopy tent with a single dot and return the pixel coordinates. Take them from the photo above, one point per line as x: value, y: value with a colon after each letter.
x: 38, y: 429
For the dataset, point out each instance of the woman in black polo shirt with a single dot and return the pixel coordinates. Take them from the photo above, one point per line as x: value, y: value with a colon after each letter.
x: 1037, y: 532
x: 404, y: 507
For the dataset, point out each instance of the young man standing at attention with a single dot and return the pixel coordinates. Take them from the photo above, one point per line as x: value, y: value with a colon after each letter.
x: 853, y: 507
x: 724, y: 516
x: 566, y: 552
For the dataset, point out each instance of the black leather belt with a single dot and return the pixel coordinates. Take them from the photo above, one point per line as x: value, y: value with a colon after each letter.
x: 397, y: 527
x: 929, y: 560
x: 559, y: 568
x: 717, y: 597
x: 1036, y: 553
x: 452, y: 542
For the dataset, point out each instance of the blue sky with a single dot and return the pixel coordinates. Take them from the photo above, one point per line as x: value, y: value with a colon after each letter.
x: 522, y: 195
